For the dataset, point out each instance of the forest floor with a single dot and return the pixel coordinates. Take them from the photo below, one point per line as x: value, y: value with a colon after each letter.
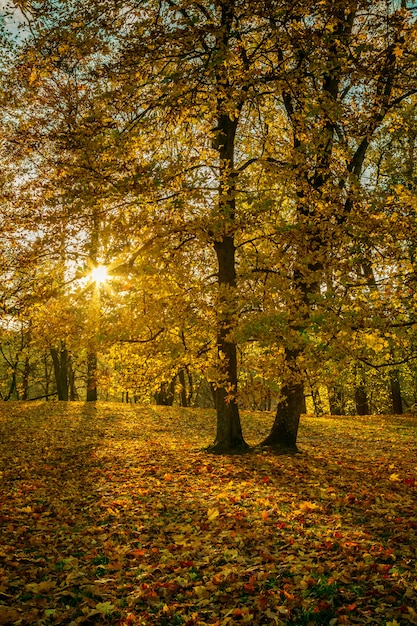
x: 113, y: 514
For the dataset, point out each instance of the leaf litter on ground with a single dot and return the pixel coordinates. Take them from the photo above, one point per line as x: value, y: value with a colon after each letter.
x: 114, y: 513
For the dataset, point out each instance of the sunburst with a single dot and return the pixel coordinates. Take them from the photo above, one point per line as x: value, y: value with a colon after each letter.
x: 99, y: 274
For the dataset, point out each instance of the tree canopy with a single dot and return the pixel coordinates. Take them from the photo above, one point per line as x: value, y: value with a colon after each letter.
x: 245, y: 173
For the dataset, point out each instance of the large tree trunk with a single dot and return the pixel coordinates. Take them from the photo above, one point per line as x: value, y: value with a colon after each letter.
x: 229, y: 437
x: 60, y: 363
x: 91, y: 377
x: 310, y: 187
x: 283, y: 435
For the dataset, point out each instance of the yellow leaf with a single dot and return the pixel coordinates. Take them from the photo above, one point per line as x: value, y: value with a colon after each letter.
x: 394, y: 478
x: 212, y: 514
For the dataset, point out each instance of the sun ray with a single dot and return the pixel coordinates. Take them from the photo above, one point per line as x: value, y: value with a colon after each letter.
x: 99, y: 274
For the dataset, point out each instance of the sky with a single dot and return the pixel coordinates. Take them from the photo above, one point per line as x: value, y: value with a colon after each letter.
x: 14, y: 16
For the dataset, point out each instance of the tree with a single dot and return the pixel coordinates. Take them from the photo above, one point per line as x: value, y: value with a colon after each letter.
x: 229, y: 144
x: 346, y: 67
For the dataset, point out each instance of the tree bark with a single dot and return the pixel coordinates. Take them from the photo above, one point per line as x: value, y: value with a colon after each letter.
x: 165, y: 395
x: 183, y: 390
x: 336, y: 400
x: 25, y: 379
x: 397, y: 403
x: 60, y: 363
x: 91, y: 377
x: 283, y: 435
x: 73, y: 393
x: 361, y: 399
x: 229, y: 437
x: 13, y: 387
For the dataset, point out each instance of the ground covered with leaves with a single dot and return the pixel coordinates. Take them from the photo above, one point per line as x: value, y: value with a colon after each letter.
x: 114, y: 514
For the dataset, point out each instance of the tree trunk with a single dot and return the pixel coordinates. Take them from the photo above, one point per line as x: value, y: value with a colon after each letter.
x: 13, y: 386
x: 73, y: 393
x: 229, y: 437
x: 317, y: 404
x: 361, y: 399
x: 183, y: 390
x: 190, y: 392
x: 336, y: 400
x: 165, y: 395
x: 25, y: 380
x: 283, y: 435
x: 304, y: 405
x: 397, y: 403
x: 60, y: 363
x: 91, y: 377
x: 47, y: 376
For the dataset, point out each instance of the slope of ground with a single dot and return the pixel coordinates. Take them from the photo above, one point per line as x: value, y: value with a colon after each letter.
x: 113, y: 514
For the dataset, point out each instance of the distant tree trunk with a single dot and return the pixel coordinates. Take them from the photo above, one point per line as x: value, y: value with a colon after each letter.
x: 165, y: 395
x: 25, y: 380
x: 47, y: 376
x: 397, y: 403
x: 267, y: 400
x: 73, y: 393
x: 94, y: 313
x: 336, y: 400
x: 190, y: 394
x: 13, y: 367
x: 361, y: 399
x: 13, y: 390
x: 315, y: 396
x: 91, y: 377
x: 60, y: 363
x: 183, y: 390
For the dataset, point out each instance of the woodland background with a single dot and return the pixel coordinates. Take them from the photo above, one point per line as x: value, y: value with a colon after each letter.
x: 245, y: 172
x: 208, y: 204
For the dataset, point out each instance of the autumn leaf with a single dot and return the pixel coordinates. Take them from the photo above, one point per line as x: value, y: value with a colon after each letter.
x: 395, y: 478
x: 212, y: 514
x: 237, y: 546
x: 105, y: 608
